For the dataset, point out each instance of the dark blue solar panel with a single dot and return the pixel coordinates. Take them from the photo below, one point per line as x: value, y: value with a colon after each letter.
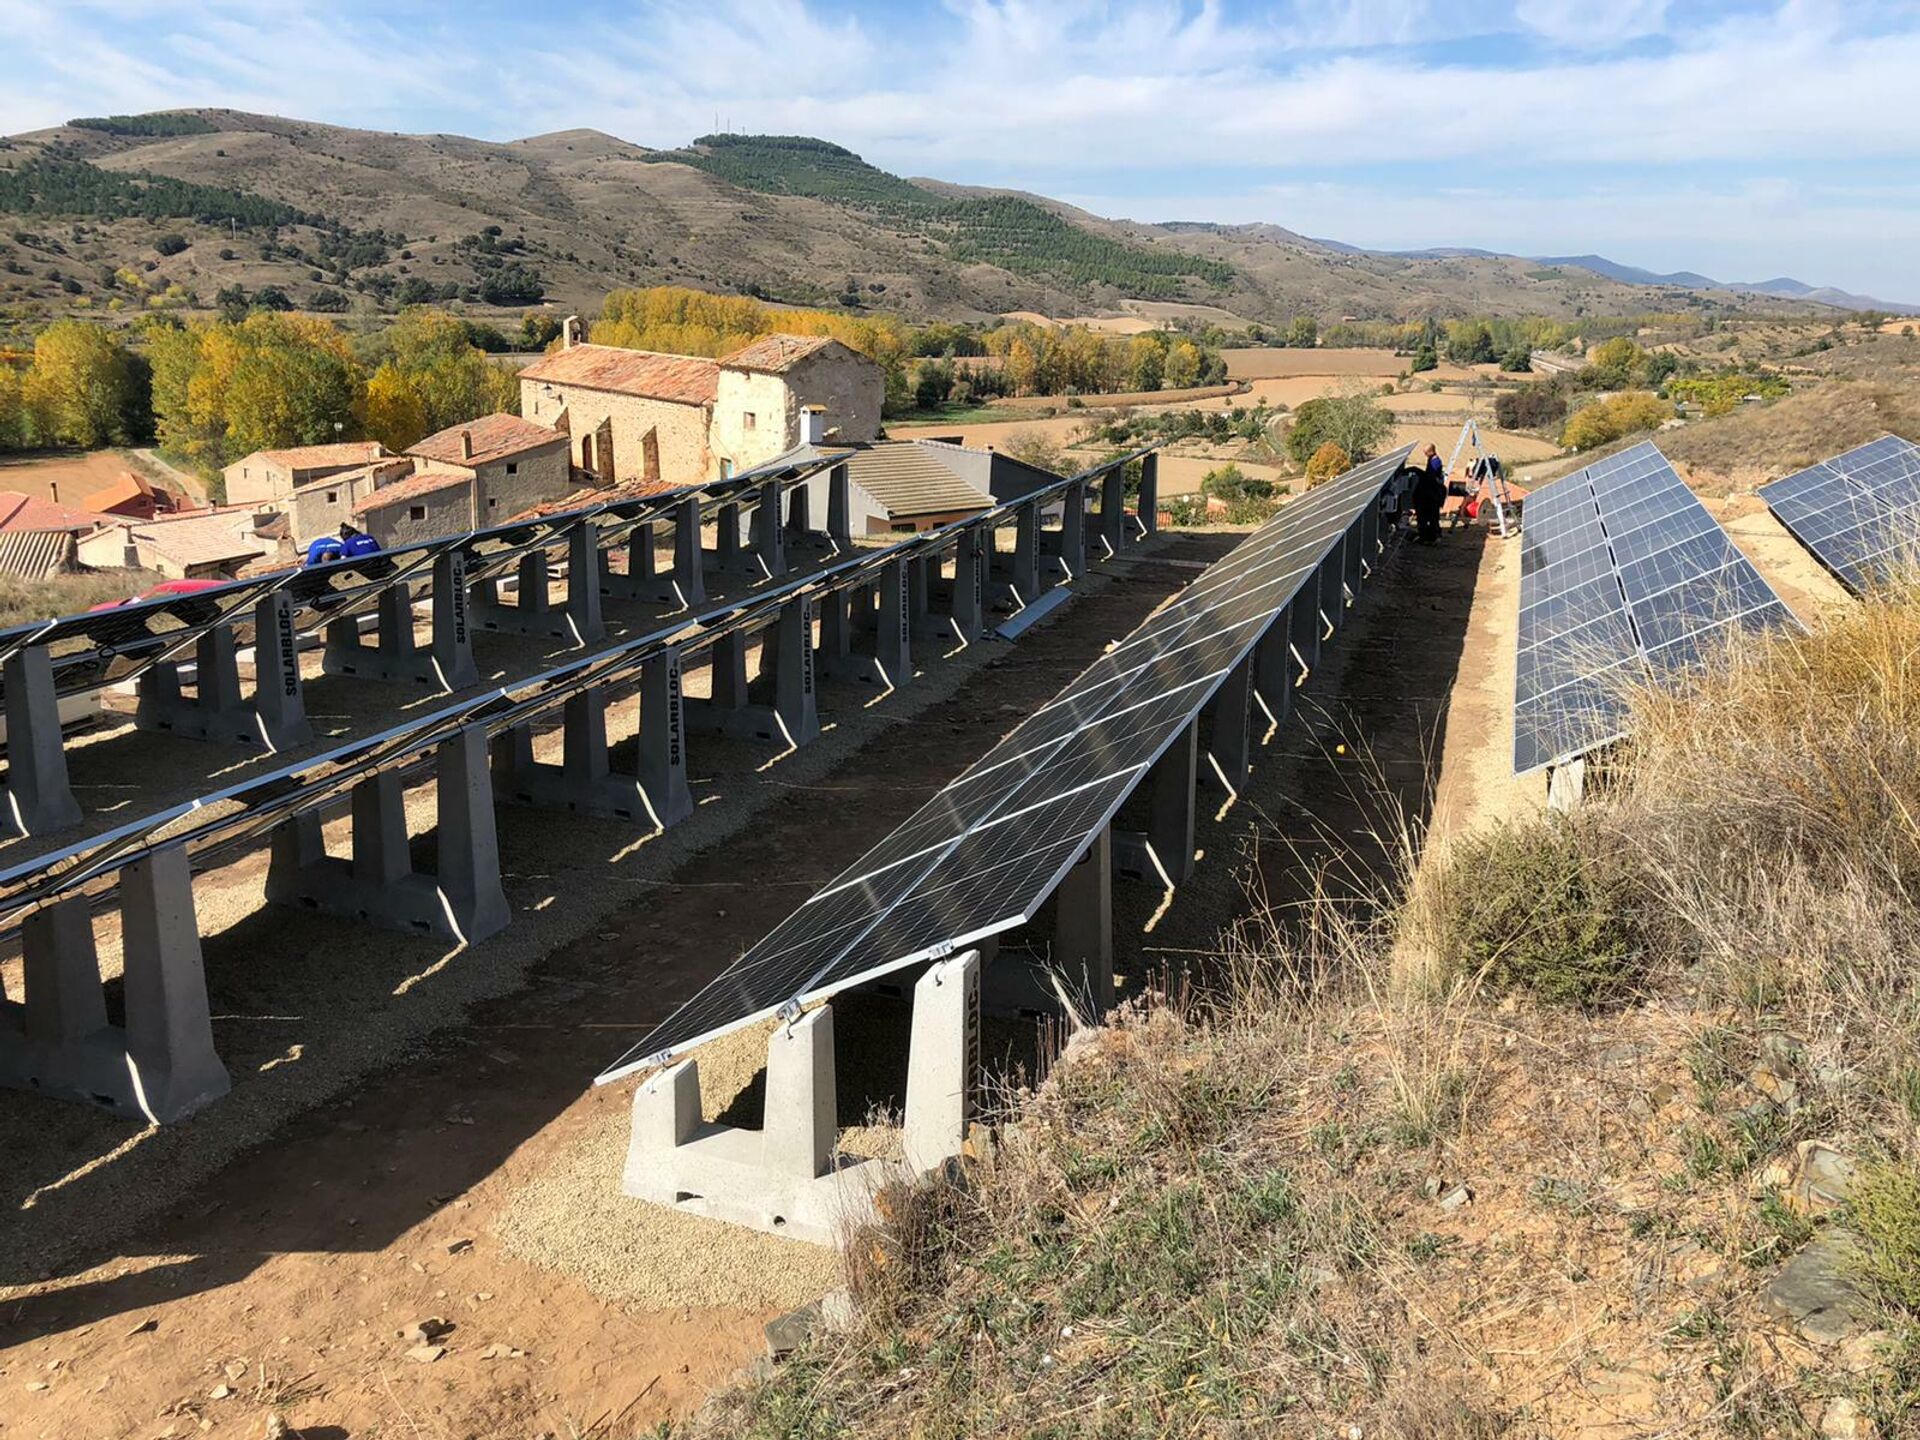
x: 1859, y: 513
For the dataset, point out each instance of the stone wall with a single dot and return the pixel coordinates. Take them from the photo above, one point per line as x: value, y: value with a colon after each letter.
x: 680, y: 430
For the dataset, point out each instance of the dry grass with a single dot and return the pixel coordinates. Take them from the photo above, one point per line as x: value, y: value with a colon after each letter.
x: 1375, y: 1178
x: 22, y: 600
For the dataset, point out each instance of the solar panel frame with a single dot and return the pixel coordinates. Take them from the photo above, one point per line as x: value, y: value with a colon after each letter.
x: 1857, y: 513
x: 1644, y: 598
x: 1076, y: 759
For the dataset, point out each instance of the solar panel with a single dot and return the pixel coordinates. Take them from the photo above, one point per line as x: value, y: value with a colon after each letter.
x: 982, y: 856
x: 1622, y: 572
x: 1859, y: 513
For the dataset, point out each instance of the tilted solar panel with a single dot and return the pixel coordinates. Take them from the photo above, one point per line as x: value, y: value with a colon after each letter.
x: 982, y: 856
x: 1859, y: 513
x: 1623, y: 573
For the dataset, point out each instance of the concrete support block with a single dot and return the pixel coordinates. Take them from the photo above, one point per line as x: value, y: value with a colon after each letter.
x: 1274, y: 671
x: 169, y: 1031
x: 1303, y: 626
x: 785, y: 1178
x: 1113, y: 510
x: 532, y: 612
x: 1073, y: 531
x: 730, y: 555
x: 1083, y: 928
x: 584, y: 781
x: 39, y: 794
x: 866, y: 630
x: 1026, y: 554
x: 769, y: 535
x: 1149, y: 503
x: 967, y: 599
x: 1354, y: 553
x: 161, y: 1066
x: 1331, y: 583
x: 464, y: 901
x: 642, y: 581
x: 446, y: 664
x: 1163, y: 852
x: 1566, y: 786
x: 839, y: 508
x: 1229, y: 730
x: 892, y: 638
x: 275, y: 718
x: 662, y: 764
x: 943, y: 1062
x: 689, y: 560
x: 779, y: 704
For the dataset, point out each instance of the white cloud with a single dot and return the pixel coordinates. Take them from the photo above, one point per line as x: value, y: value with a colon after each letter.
x: 1583, y: 23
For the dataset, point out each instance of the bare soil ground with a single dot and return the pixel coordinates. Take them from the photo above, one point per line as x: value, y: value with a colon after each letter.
x: 276, y: 1275
x: 68, y: 476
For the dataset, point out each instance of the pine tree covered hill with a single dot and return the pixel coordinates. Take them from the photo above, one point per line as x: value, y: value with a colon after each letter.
x: 1003, y: 230
x: 563, y: 219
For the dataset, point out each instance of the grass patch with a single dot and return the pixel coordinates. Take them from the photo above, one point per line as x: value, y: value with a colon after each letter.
x: 22, y: 600
x: 1534, y: 906
x: 1883, y: 1209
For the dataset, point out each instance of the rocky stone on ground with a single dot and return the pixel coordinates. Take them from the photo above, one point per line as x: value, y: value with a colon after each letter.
x: 789, y: 1332
x: 1813, y: 1293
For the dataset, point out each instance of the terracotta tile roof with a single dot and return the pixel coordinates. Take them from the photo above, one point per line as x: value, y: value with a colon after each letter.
x: 427, y: 482
x: 681, y: 379
x: 493, y: 437
x: 595, y: 495
x: 312, y: 457
x: 30, y: 512
x: 909, y: 479
x: 396, y: 465
x: 130, y: 487
x: 776, y: 354
x: 205, y: 539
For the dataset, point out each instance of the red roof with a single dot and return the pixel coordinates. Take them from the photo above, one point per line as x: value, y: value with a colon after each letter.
x: 680, y: 379
x: 314, y: 457
x: 776, y: 354
x: 428, y: 482
x: 492, y: 437
x: 30, y: 512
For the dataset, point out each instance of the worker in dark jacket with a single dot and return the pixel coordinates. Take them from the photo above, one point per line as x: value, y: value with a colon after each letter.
x: 1429, y: 494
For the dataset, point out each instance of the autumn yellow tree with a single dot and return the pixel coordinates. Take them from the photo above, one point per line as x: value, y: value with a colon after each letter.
x: 224, y: 390
x: 83, y: 387
x: 13, y: 427
x: 1328, y: 461
x: 391, y: 408
x: 1183, y: 366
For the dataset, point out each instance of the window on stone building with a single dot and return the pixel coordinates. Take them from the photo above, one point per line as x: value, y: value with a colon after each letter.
x: 416, y: 512
x: 750, y: 419
x: 333, y: 497
x: 513, y: 467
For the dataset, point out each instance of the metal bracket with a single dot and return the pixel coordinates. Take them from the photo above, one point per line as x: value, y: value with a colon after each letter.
x: 1301, y: 661
x: 1327, y: 634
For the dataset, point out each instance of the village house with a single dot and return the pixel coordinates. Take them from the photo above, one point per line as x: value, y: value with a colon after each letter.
x: 636, y: 415
x: 424, y: 506
x: 38, y: 537
x: 513, y: 464
x: 901, y: 486
x: 134, y: 497
x: 269, y: 477
x: 205, y: 545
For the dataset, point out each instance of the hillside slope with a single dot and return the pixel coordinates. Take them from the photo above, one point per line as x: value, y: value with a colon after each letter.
x: 387, y: 218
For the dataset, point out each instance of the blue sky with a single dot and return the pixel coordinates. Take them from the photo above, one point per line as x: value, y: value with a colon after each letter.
x: 1744, y: 140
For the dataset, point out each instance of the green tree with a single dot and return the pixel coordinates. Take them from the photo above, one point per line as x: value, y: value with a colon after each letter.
x: 1612, y: 364
x: 1303, y: 331
x: 451, y: 378
x: 1146, y: 363
x: 13, y: 411
x: 1354, y: 423
x: 83, y: 387
x: 1424, y: 358
x: 1183, y: 366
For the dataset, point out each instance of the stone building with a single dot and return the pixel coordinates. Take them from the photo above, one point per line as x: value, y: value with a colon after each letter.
x: 514, y: 464
x: 269, y: 477
x: 636, y: 415
x: 321, y: 507
x: 424, y: 506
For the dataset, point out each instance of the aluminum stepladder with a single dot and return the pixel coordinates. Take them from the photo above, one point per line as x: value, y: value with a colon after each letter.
x: 1494, y: 473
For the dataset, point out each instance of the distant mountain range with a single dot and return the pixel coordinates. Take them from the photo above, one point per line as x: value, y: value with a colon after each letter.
x: 1783, y: 287
x: 175, y: 210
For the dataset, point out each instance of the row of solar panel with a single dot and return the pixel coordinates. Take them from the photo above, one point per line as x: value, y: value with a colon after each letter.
x: 1859, y: 513
x: 109, y: 646
x: 228, y: 818
x: 983, y: 854
x: 1624, y: 574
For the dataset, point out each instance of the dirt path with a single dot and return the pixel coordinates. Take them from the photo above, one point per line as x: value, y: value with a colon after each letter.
x: 280, y: 1280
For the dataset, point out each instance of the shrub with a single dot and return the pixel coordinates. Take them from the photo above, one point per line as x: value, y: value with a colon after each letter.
x: 1535, y: 906
x: 1230, y: 483
x: 1353, y: 422
x: 170, y: 244
x: 1185, y: 509
x: 1883, y: 1208
x: 1328, y: 461
x: 1529, y: 407
x: 1609, y: 419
